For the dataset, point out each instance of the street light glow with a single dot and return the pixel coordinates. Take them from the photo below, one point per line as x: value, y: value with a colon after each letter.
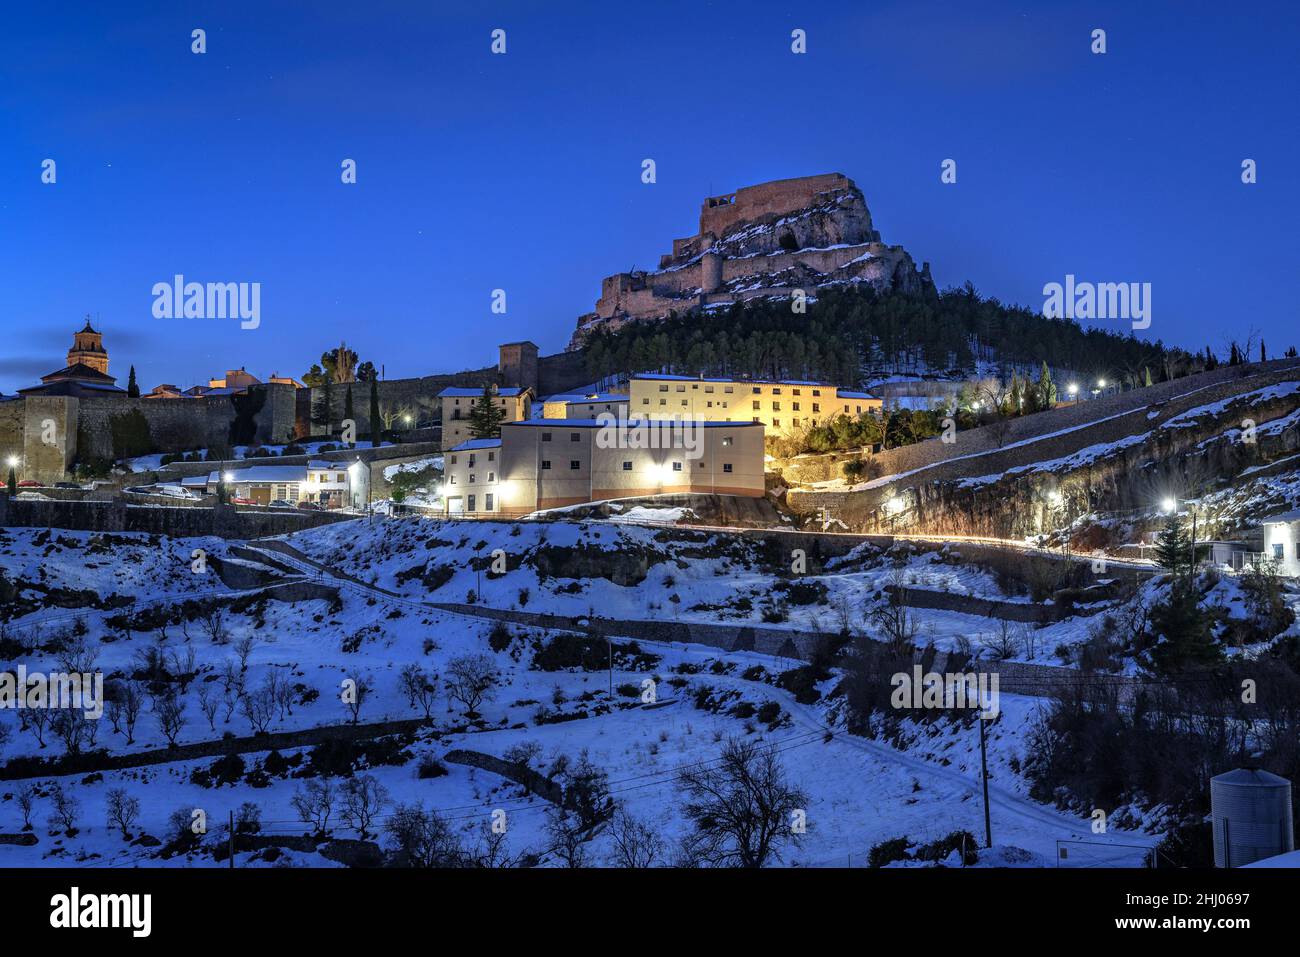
x: 1101, y: 383
x: 1169, y: 505
x: 1073, y: 388
x: 12, y: 461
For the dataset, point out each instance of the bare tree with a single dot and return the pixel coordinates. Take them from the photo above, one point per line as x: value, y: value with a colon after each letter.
x: 170, y: 710
x: 132, y: 700
x: 38, y: 719
x: 27, y: 795
x: 635, y: 844
x: 209, y: 702
x: 356, y: 691
x: 741, y: 808
x: 64, y: 810
x: 471, y: 680
x: 419, y: 687
x: 568, y: 837
x: 258, y: 706
x: 243, y: 648
x: 213, y: 624
x: 69, y: 725
x: 314, y: 803
x: 420, y: 838
x: 892, y: 619
x: 122, y: 811
x: 363, y: 798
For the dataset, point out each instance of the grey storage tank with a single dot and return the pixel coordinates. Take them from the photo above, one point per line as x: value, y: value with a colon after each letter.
x: 1251, y: 813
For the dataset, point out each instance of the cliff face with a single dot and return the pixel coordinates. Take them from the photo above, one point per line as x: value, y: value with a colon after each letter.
x: 764, y: 240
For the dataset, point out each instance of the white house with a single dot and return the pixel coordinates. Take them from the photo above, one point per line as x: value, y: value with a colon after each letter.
x: 1282, y: 541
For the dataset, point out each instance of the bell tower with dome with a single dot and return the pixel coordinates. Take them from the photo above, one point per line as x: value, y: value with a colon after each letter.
x: 88, y: 349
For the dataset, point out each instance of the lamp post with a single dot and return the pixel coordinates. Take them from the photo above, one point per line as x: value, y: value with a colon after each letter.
x: 12, y: 462
x: 1170, y: 505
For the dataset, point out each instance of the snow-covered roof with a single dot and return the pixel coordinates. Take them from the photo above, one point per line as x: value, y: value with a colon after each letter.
x: 691, y: 378
x: 263, y: 473
x: 854, y: 395
x: 1282, y: 518
x: 472, y: 444
x: 591, y: 397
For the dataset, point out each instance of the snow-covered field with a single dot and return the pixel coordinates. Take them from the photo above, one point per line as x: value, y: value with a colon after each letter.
x: 860, y: 791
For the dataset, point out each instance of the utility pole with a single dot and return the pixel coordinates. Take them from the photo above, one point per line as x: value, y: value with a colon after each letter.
x: 232, y: 840
x: 984, y: 779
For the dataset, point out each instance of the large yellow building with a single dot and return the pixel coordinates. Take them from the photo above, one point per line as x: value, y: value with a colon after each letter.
x: 782, y: 407
x: 552, y: 463
x: 457, y: 403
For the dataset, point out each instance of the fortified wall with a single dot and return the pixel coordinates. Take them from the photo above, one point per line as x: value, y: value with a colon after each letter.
x: 764, y: 240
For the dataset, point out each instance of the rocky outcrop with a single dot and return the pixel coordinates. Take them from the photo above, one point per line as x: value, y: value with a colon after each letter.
x: 765, y: 240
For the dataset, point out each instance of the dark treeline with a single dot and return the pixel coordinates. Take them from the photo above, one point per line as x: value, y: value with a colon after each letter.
x: 848, y: 333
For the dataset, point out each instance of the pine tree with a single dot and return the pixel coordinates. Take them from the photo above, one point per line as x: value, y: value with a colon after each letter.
x: 374, y: 414
x: 1263, y: 351
x: 132, y: 390
x: 1183, y: 632
x: 1173, y: 547
x: 13, y: 482
x: 485, y: 417
x: 1046, y: 388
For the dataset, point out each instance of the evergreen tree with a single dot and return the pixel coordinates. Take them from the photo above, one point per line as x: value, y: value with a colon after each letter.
x: 132, y: 390
x: 374, y: 413
x: 323, y: 413
x: 13, y: 482
x: 1263, y: 351
x: 1046, y: 388
x: 1173, y: 546
x: 485, y: 417
x: 1182, y: 630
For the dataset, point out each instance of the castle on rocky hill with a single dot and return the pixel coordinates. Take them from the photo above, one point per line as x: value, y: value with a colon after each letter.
x: 764, y: 240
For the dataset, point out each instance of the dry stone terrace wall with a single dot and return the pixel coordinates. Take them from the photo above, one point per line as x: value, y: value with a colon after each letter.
x: 1124, y: 414
x: 178, y: 522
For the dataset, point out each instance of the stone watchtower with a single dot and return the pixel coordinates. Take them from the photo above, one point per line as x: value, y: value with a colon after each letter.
x: 518, y: 365
x: 88, y: 349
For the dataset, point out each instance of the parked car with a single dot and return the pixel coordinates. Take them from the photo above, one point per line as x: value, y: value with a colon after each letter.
x: 173, y: 491
x: 312, y: 506
x: 242, y: 501
x: 283, y: 503
x: 67, y: 485
x: 29, y: 483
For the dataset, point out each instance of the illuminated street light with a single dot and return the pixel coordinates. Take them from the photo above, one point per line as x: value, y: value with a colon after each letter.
x: 1055, y: 498
x: 1073, y: 389
x: 1101, y: 383
x: 12, y: 461
x: 1169, y: 505
x: 228, y: 477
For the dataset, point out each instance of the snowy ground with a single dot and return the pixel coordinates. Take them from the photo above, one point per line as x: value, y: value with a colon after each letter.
x: 861, y: 791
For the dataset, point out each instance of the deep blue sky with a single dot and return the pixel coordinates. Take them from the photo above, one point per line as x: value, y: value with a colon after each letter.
x: 523, y: 171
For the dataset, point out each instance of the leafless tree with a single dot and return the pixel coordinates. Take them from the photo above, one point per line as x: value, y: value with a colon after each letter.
x: 213, y: 624
x: 635, y: 844
x: 209, y: 702
x: 1004, y: 642
x: 471, y: 680
x: 244, y: 648
x: 170, y: 710
x: 38, y: 719
x: 258, y: 706
x: 64, y: 810
x: 741, y: 808
x: 892, y: 619
x: 122, y: 811
x: 363, y: 798
x: 568, y: 837
x: 131, y: 702
x: 355, y: 693
x: 420, y: 838
x: 419, y: 687
x: 27, y: 803
x: 314, y: 803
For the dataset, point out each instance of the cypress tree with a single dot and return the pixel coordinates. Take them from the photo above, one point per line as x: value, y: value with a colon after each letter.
x: 13, y: 482
x: 132, y: 390
x: 374, y: 414
x: 485, y: 417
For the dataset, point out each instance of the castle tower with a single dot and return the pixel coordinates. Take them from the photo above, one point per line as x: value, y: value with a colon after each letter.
x: 88, y: 349
x: 518, y: 364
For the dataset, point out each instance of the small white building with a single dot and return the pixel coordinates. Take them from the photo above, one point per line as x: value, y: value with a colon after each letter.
x: 1282, y: 541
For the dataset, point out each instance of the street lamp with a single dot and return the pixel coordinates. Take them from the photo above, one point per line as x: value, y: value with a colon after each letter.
x: 1073, y: 389
x: 1169, y: 505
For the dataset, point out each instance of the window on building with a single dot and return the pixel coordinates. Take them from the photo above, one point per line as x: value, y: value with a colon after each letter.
x: 574, y: 465
x: 663, y: 388
x: 757, y: 406
x: 776, y: 406
x: 453, y: 460
x: 627, y: 466
x: 683, y: 403
x: 726, y: 466
x: 776, y: 391
x: 645, y: 400
x: 492, y: 456
x: 451, y: 480
x: 757, y: 419
x: 708, y: 388
x: 546, y: 464
x: 492, y: 476
x: 726, y: 440
x: 471, y: 478
x: 677, y: 466
x: 757, y: 391
x: 681, y: 388
x: 469, y: 500
x: 798, y: 392
x: 796, y: 423
x: 663, y: 401
x: 817, y: 406
x: 574, y: 436
x: 471, y: 460
x: 487, y: 501
x: 817, y: 391
x: 776, y: 423
x: 546, y: 436
x: 727, y: 389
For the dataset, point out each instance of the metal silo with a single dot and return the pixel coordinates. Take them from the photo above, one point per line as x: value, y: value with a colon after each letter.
x: 1251, y: 812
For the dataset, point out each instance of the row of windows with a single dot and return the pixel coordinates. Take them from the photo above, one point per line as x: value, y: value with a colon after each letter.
x: 575, y: 465
x: 491, y: 457
x: 758, y: 390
